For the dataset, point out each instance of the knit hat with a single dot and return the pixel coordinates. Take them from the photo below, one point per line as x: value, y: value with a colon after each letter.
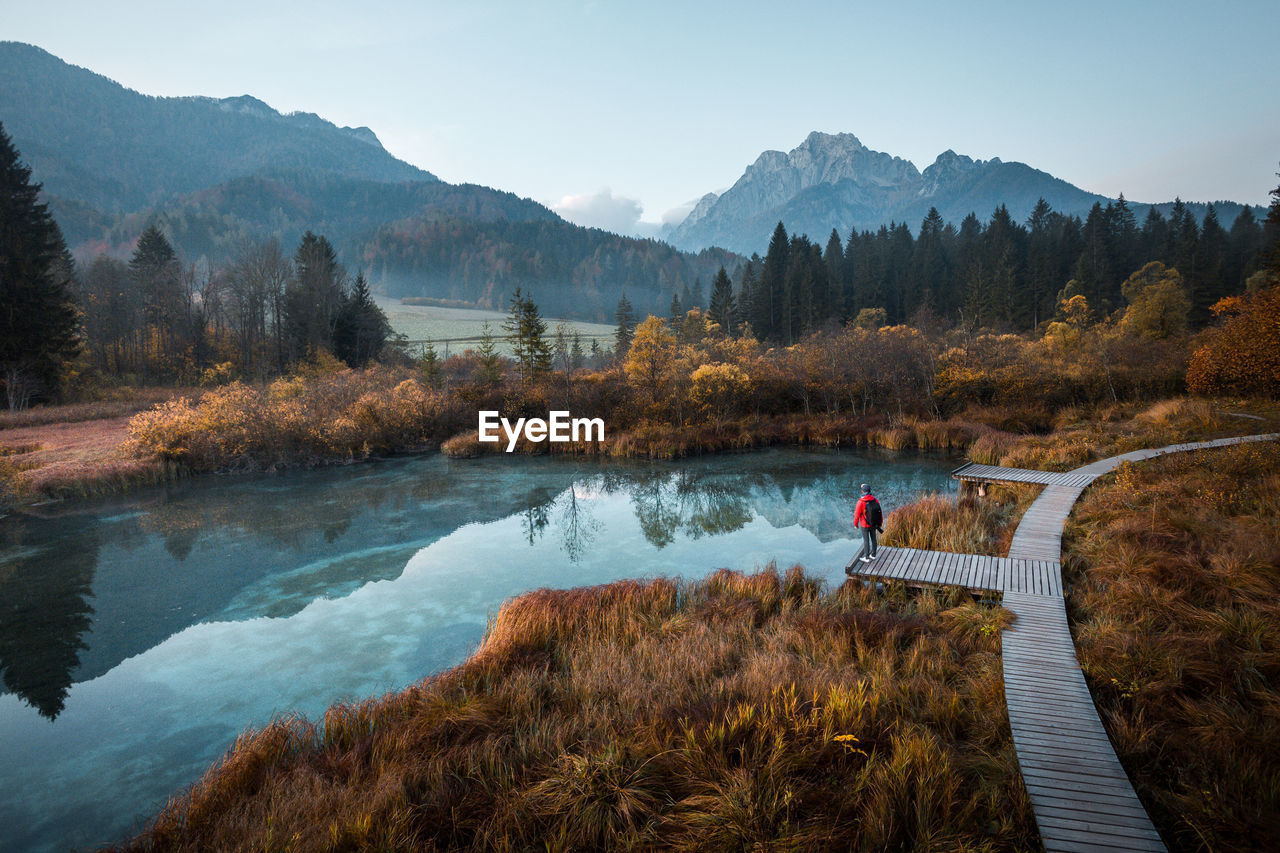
x: 866, y: 490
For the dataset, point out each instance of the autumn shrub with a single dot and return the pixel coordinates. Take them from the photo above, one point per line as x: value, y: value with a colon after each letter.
x: 342, y: 414
x: 737, y: 712
x: 1241, y: 355
x: 1174, y: 573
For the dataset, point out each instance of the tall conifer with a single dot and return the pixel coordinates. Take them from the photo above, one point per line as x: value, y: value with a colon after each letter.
x: 38, y: 319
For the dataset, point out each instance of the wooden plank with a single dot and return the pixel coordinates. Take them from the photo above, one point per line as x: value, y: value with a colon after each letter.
x: 890, y: 568
x: 1135, y: 825
x: 1034, y: 733
x: 944, y: 568
x: 971, y: 575
x: 1098, y: 840
x: 1062, y: 844
x: 930, y: 565
x: 1093, y: 751
x: 1092, y: 799
x: 1120, y: 822
x: 952, y: 570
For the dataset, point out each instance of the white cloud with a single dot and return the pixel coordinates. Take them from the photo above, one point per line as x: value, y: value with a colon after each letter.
x: 677, y: 214
x: 602, y: 210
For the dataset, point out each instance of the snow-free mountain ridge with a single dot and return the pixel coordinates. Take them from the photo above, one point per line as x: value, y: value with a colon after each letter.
x: 834, y: 181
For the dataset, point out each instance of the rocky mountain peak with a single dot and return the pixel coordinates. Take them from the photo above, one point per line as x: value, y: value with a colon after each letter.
x: 248, y: 105
x: 702, y: 207
x: 948, y: 168
x: 364, y: 134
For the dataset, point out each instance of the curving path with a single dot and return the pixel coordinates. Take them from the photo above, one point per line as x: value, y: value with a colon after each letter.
x: 1081, y: 796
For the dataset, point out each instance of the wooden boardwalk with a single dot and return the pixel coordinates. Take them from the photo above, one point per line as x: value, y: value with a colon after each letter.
x: 970, y: 571
x: 975, y: 473
x: 1080, y: 794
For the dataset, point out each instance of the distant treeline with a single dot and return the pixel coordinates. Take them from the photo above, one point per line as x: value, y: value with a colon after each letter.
x: 571, y: 271
x: 1002, y: 274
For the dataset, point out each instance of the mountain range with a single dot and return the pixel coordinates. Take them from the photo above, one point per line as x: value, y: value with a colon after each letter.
x: 834, y: 181
x: 213, y: 172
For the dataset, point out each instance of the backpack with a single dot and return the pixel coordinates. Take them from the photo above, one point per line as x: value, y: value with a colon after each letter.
x: 871, y: 512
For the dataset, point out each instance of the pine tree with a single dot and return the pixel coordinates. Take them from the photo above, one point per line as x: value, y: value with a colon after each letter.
x: 930, y: 266
x: 157, y: 276
x: 698, y: 298
x: 429, y: 364
x: 488, y: 363
x: 527, y: 331
x: 1154, y: 240
x: 533, y: 330
x: 1213, y: 262
x: 746, y: 294
x: 626, y: 319
x: 769, y: 299
x: 676, y: 313
x: 722, y: 307
x: 1124, y: 238
x: 1041, y: 278
x: 1271, y: 232
x: 38, y: 320
x: 1244, y: 252
x: 897, y: 270
x: 361, y: 328
x: 314, y: 297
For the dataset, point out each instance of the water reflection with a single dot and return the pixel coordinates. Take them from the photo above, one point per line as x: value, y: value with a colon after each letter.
x: 39, y: 649
x: 138, y: 637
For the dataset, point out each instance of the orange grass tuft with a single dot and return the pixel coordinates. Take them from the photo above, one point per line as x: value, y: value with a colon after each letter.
x: 1175, y: 571
x: 742, y: 711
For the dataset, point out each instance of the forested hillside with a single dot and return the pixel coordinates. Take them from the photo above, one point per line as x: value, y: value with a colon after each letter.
x: 93, y: 142
x: 572, y: 271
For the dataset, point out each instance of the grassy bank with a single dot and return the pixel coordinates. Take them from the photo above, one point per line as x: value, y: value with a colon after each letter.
x: 1175, y: 572
x: 986, y: 525
x: 737, y: 712
x: 78, y: 450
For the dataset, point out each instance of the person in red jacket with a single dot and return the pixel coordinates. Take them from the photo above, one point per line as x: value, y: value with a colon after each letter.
x: 870, y: 520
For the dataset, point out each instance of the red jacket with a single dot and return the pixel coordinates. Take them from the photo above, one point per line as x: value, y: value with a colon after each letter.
x: 860, y: 514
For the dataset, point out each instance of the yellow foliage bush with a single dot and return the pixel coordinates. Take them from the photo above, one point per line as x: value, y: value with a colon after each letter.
x: 323, y: 415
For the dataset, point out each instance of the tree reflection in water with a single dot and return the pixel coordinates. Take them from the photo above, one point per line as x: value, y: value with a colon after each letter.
x: 46, y: 585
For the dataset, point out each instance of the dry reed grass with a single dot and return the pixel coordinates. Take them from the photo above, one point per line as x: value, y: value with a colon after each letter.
x: 740, y: 712
x: 77, y: 459
x: 1175, y: 566
x: 118, y: 403
x: 965, y: 525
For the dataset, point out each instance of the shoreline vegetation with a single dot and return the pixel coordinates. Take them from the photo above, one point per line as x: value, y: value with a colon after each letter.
x: 745, y: 710
x: 732, y: 712
x: 1173, y: 572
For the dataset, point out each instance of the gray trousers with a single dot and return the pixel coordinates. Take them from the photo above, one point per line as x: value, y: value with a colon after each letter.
x: 869, y: 537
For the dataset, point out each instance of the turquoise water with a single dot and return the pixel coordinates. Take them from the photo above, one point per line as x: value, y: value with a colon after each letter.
x: 139, y: 637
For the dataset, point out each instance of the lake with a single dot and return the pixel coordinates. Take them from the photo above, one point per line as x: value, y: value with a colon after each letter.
x: 140, y: 636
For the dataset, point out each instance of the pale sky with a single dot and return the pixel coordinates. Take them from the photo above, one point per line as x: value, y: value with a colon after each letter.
x: 618, y: 112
